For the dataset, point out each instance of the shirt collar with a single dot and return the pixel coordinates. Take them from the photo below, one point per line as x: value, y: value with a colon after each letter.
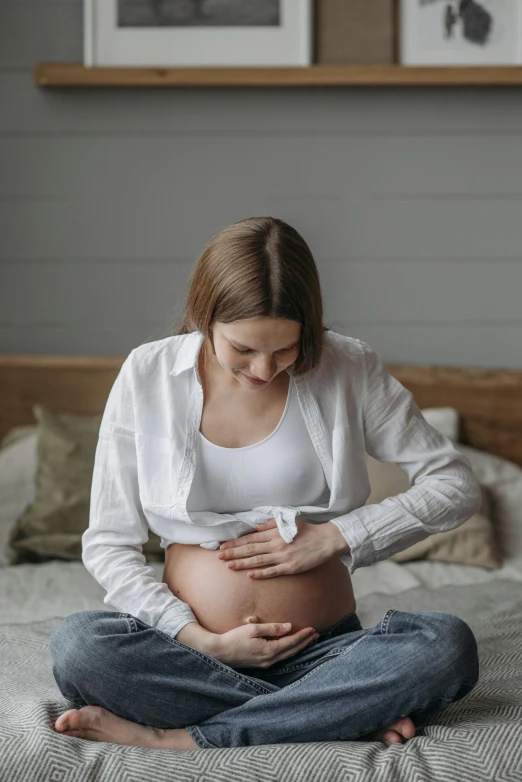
x: 189, y: 351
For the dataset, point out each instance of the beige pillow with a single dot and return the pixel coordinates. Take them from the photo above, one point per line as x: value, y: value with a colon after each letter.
x: 52, y: 526
x: 472, y: 543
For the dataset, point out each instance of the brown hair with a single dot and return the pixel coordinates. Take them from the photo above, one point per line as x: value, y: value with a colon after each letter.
x: 259, y: 266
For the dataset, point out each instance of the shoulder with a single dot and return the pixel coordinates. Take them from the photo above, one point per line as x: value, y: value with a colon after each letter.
x: 360, y: 361
x: 157, y: 356
x: 345, y: 351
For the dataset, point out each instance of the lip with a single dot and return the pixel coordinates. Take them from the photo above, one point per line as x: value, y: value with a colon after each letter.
x: 255, y: 382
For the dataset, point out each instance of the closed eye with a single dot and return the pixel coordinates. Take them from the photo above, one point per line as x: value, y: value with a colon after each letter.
x: 242, y: 352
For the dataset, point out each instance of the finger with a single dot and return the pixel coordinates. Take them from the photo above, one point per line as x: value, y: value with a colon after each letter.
x: 289, y: 651
x: 290, y: 644
x: 241, y: 552
x: 260, y: 563
x: 271, y: 572
x: 249, y: 537
x: 270, y: 524
x: 248, y: 543
x: 250, y: 562
x: 230, y: 545
x: 272, y: 628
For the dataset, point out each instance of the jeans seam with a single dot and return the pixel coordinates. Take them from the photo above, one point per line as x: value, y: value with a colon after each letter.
x: 217, y: 664
x: 386, y: 620
x: 196, y: 735
x: 131, y: 622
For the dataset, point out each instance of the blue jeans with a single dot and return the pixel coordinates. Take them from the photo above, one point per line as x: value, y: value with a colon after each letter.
x: 349, y: 683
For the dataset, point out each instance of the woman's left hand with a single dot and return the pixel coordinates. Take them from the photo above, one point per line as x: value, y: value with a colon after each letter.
x: 266, y: 550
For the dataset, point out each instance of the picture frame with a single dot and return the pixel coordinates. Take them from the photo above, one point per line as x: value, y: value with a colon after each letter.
x: 356, y: 32
x: 192, y: 33
x: 461, y: 32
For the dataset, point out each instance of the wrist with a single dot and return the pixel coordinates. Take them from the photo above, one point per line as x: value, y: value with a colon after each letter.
x: 193, y: 634
x: 338, y: 541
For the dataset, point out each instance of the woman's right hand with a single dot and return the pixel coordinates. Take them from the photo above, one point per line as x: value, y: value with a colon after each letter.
x: 247, y: 646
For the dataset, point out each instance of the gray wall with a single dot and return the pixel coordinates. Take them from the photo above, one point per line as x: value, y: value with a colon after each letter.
x: 410, y: 199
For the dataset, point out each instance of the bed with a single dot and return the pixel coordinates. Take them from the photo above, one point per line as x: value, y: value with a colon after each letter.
x: 477, y: 738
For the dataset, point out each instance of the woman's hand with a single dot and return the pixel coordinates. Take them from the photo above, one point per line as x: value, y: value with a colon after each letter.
x: 251, y: 644
x: 266, y: 550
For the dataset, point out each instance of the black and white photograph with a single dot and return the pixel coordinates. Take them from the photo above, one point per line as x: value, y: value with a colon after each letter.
x: 460, y: 32
x: 198, y: 13
x: 198, y: 33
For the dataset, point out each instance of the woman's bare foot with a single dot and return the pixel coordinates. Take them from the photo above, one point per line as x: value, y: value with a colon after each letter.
x: 95, y: 723
x: 394, y: 733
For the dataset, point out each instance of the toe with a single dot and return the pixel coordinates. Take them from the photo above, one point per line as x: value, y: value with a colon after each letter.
x: 405, y: 727
x: 64, y: 720
x: 86, y: 719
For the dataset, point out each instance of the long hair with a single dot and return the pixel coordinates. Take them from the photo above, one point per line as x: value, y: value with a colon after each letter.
x: 259, y: 266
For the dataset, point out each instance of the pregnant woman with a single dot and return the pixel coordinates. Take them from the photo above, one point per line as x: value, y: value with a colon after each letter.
x: 241, y: 442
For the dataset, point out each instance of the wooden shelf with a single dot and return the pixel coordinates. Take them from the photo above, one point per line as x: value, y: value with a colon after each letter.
x: 77, y: 75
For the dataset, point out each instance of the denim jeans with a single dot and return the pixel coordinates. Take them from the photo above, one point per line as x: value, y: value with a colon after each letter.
x: 350, y: 682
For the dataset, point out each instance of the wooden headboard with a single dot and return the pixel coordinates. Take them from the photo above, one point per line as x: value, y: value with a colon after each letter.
x: 489, y: 400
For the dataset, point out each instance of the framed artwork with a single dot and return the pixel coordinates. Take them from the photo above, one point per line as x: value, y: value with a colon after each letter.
x: 461, y: 32
x: 198, y: 33
x: 354, y: 31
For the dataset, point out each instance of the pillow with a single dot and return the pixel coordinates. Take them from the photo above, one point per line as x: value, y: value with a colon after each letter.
x: 501, y: 478
x: 474, y: 542
x: 52, y: 525
x: 17, y: 474
x: 444, y: 419
x: 503, y: 481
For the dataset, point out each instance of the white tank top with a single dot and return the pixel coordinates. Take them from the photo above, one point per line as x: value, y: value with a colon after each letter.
x: 282, y: 469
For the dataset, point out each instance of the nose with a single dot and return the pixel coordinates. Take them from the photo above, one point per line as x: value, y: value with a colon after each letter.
x: 264, y: 368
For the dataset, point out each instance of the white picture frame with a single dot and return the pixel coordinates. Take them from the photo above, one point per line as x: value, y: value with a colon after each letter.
x: 289, y: 43
x: 436, y: 32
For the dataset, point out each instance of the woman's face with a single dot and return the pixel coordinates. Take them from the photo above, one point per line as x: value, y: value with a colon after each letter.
x: 260, y: 348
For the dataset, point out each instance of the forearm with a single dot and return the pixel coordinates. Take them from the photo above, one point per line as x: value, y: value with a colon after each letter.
x: 193, y: 634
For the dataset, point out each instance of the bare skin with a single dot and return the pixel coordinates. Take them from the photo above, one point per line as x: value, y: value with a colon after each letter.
x: 95, y: 723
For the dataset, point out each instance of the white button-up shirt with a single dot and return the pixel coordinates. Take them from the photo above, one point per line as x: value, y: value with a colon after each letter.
x: 146, y: 457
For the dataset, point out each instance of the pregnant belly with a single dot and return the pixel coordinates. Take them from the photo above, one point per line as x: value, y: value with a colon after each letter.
x: 222, y: 599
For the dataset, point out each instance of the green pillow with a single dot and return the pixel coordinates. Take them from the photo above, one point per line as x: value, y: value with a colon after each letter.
x: 17, y: 433
x: 52, y: 526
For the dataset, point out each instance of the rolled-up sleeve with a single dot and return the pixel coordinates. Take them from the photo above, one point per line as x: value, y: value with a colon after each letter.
x: 443, y: 493
x: 112, y: 544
